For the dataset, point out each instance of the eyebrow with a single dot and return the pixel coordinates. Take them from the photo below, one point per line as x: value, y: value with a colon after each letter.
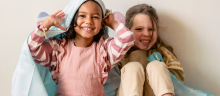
x: 138, y: 26
x: 86, y: 13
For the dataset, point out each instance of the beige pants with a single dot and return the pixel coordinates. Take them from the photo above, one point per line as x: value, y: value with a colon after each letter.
x: 133, y: 79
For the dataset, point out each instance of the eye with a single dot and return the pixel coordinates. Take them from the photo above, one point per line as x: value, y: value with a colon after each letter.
x: 82, y: 16
x: 151, y: 29
x: 138, y: 29
x: 95, y: 17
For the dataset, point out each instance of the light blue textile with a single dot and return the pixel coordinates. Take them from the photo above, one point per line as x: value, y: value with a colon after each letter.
x: 112, y: 83
x: 182, y: 90
x: 31, y: 79
x: 155, y: 56
x: 179, y: 88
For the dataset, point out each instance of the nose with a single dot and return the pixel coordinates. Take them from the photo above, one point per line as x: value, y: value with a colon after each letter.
x: 89, y: 20
x: 147, y: 33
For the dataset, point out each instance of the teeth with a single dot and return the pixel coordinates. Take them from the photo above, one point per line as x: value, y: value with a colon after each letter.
x: 145, y: 41
x: 87, y: 28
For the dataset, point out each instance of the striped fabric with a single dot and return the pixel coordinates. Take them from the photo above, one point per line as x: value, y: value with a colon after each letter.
x: 173, y: 65
x: 45, y: 52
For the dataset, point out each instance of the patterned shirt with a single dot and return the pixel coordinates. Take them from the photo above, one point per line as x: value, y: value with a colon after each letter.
x: 45, y: 52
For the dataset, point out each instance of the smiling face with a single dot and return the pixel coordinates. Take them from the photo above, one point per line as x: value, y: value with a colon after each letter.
x: 89, y: 21
x: 145, y: 34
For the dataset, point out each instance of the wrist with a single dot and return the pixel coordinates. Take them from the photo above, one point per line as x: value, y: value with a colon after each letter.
x: 42, y: 28
x: 46, y: 24
x: 114, y: 24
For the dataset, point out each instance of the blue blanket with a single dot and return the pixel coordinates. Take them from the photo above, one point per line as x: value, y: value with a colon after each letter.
x: 31, y: 79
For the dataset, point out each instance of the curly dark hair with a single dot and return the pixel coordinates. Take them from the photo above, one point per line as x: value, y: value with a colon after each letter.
x: 71, y: 33
x: 151, y: 12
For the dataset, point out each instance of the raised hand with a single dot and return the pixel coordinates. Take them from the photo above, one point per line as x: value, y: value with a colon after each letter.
x: 54, y: 20
x: 110, y: 20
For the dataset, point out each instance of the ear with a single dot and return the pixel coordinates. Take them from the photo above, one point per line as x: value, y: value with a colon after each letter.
x: 74, y: 25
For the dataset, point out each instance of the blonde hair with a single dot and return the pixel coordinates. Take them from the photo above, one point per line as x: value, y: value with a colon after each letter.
x: 151, y: 12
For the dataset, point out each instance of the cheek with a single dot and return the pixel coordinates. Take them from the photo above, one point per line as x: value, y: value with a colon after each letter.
x: 98, y: 22
x: 78, y: 22
x: 137, y: 36
x: 154, y: 38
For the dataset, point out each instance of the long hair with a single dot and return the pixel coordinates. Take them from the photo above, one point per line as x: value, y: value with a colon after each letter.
x: 151, y: 12
x: 71, y: 33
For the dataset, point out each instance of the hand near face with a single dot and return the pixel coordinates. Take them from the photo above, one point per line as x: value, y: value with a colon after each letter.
x: 110, y: 20
x: 54, y: 20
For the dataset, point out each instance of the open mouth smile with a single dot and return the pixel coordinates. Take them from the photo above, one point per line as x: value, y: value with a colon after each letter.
x: 87, y: 29
x: 145, y: 42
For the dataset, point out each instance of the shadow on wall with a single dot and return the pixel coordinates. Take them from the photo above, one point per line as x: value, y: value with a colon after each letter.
x: 184, y: 40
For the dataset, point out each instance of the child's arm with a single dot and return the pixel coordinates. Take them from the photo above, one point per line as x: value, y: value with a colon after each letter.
x: 45, y: 52
x: 42, y: 50
x: 118, y: 46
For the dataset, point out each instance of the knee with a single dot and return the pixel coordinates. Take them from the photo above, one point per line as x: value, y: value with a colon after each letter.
x: 156, y: 66
x: 133, y: 67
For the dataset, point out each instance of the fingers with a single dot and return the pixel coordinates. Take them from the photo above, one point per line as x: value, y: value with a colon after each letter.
x: 58, y: 18
x: 58, y: 24
x: 61, y: 27
x: 61, y: 15
x: 62, y: 19
x: 107, y: 11
x: 56, y: 12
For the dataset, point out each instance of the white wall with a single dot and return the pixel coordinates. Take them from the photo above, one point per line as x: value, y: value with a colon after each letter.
x: 18, y: 18
x: 192, y: 29
x: 189, y: 26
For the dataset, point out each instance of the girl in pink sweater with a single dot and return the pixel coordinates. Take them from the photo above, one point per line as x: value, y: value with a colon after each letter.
x: 80, y: 61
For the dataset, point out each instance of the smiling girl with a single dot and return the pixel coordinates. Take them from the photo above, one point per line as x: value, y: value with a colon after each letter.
x: 80, y: 61
x: 139, y: 75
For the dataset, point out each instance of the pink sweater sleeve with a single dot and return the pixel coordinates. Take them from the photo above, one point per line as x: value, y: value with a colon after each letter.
x: 44, y: 52
x: 118, y: 46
